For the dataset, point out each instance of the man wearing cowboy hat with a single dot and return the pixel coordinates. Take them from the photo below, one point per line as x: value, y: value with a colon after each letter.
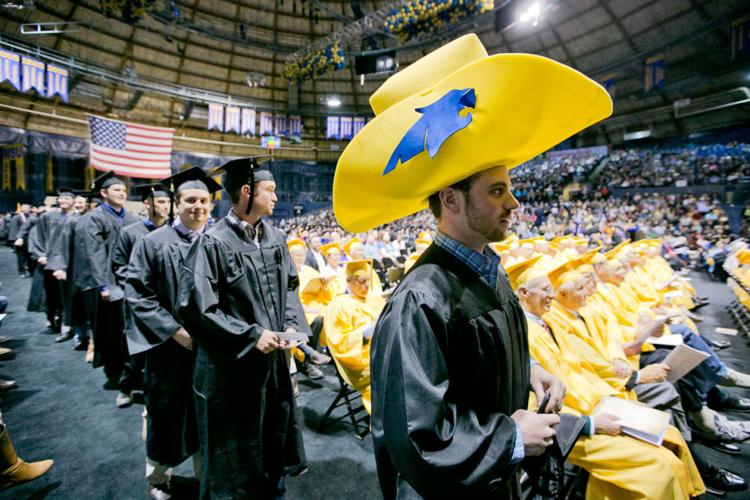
x: 450, y: 366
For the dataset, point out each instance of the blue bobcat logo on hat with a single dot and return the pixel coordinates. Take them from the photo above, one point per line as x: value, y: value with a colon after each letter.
x: 440, y: 120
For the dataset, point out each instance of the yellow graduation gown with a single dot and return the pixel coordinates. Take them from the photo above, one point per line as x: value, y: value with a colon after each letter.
x: 619, y: 466
x: 344, y: 321
x: 573, y: 331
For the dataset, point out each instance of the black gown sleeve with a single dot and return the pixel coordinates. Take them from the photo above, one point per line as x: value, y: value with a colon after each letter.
x: 433, y: 441
x: 121, y: 256
x: 92, y: 233
x: 38, y: 238
x: 200, y: 307
x: 154, y: 323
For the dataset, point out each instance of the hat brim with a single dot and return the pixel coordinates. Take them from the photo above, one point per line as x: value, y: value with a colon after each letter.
x: 525, y: 104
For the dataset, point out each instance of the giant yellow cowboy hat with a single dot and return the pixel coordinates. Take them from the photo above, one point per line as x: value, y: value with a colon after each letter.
x: 455, y: 112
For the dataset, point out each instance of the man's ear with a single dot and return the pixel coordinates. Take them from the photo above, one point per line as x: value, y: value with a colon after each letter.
x: 450, y: 199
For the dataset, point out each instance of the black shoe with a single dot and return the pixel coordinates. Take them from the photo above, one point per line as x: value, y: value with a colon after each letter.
x: 80, y: 344
x: 111, y: 385
x: 713, y: 442
x: 735, y: 403
x: 723, y: 480
x: 699, y: 305
x: 64, y: 337
x: 720, y: 344
x: 311, y: 371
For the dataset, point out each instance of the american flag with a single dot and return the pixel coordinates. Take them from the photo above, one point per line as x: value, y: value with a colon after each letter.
x: 130, y: 150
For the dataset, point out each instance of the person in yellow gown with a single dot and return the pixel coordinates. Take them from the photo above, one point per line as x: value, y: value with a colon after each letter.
x: 333, y: 271
x: 594, y: 323
x: 619, y: 466
x: 355, y: 250
x: 314, y: 295
x: 421, y: 245
x: 349, y: 323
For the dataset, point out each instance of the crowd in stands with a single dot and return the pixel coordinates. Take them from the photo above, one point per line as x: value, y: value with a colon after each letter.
x: 688, y: 166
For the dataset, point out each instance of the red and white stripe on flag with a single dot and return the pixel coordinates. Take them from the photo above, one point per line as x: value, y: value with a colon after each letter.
x: 129, y: 149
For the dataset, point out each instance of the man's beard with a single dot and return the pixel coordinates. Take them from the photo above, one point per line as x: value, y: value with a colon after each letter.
x: 490, y: 229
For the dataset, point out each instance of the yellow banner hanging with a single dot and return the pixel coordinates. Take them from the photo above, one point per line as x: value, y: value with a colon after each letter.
x: 20, y: 174
x: 6, y: 174
x: 89, y: 176
x: 217, y: 194
x: 49, y: 185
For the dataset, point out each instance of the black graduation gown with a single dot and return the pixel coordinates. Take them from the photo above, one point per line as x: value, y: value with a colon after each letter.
x: 449, y: 365
x: 95, y: 237
x: 37, y: 299
x: 230, y: 290
x: 61, y: 258
x: 150, y: 290
x: 43, y: 238
x: 15, y: 225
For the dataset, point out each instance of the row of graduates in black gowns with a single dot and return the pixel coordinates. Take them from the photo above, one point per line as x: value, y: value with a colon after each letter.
x: 136, y: 286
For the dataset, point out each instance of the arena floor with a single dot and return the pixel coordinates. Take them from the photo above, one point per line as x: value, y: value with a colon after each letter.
x: 60, y: 411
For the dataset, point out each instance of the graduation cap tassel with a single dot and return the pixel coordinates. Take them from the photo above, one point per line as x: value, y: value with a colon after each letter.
x: 171, y: 202
x: 249, y: 206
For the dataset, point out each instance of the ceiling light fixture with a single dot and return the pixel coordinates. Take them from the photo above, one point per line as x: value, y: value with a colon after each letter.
x: 333, y: 101
x: 531, y: 14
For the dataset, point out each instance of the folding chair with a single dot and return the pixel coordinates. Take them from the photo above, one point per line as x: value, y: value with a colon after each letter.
x: 395, y: 274
x: 355, y: 410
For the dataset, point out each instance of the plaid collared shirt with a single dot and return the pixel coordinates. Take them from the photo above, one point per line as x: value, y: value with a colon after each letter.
x: 486, y: 265
x: 253, y: 233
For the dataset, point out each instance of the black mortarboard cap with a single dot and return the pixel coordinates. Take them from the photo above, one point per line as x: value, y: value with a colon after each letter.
x: 66, y: 191
x: 148, y: 190
x: 245, y: 171
x: 196, y: 176
x: 106, y: 180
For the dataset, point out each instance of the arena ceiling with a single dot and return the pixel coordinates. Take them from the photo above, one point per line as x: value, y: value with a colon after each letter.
x: 165, y: 68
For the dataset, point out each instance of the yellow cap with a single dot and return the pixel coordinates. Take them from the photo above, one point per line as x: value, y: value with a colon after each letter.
x: 352, y: 243
x: 358, y: 268
x: 295, y: 243
x: 562, y: 274
x: 743, y: 256
x: 456, y: 112
x: 426, y: 235
x: 522, y: 272
x: 329, y: 247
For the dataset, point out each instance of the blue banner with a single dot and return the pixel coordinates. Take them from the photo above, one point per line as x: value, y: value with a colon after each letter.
x: 608, y: 82
x: 357, y: 125
x: 332, y: 127
x: 266, y: 123
x: 654, y: 78
x: 295, y: 126
x: 345, y: 127
x: 232, y: 123
x: 57, y: 82
x: 279, y: 125
x: 216, y: 117
x: 10, y: 68
x: 33, y: 75
x: 248, y: 122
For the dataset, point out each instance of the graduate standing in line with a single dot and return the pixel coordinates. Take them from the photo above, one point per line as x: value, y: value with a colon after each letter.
x: 95, y: 237
x: 237, y: 295
x: 60, y: 261
x: 47, y: 236
x: 156, y: 332
x: 157, y: 202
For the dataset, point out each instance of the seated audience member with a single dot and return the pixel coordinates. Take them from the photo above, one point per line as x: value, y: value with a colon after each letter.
x: 349, y: 324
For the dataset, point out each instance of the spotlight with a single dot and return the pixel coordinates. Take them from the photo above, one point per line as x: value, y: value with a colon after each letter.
x: 333, y: 101
x: 531, y: 14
